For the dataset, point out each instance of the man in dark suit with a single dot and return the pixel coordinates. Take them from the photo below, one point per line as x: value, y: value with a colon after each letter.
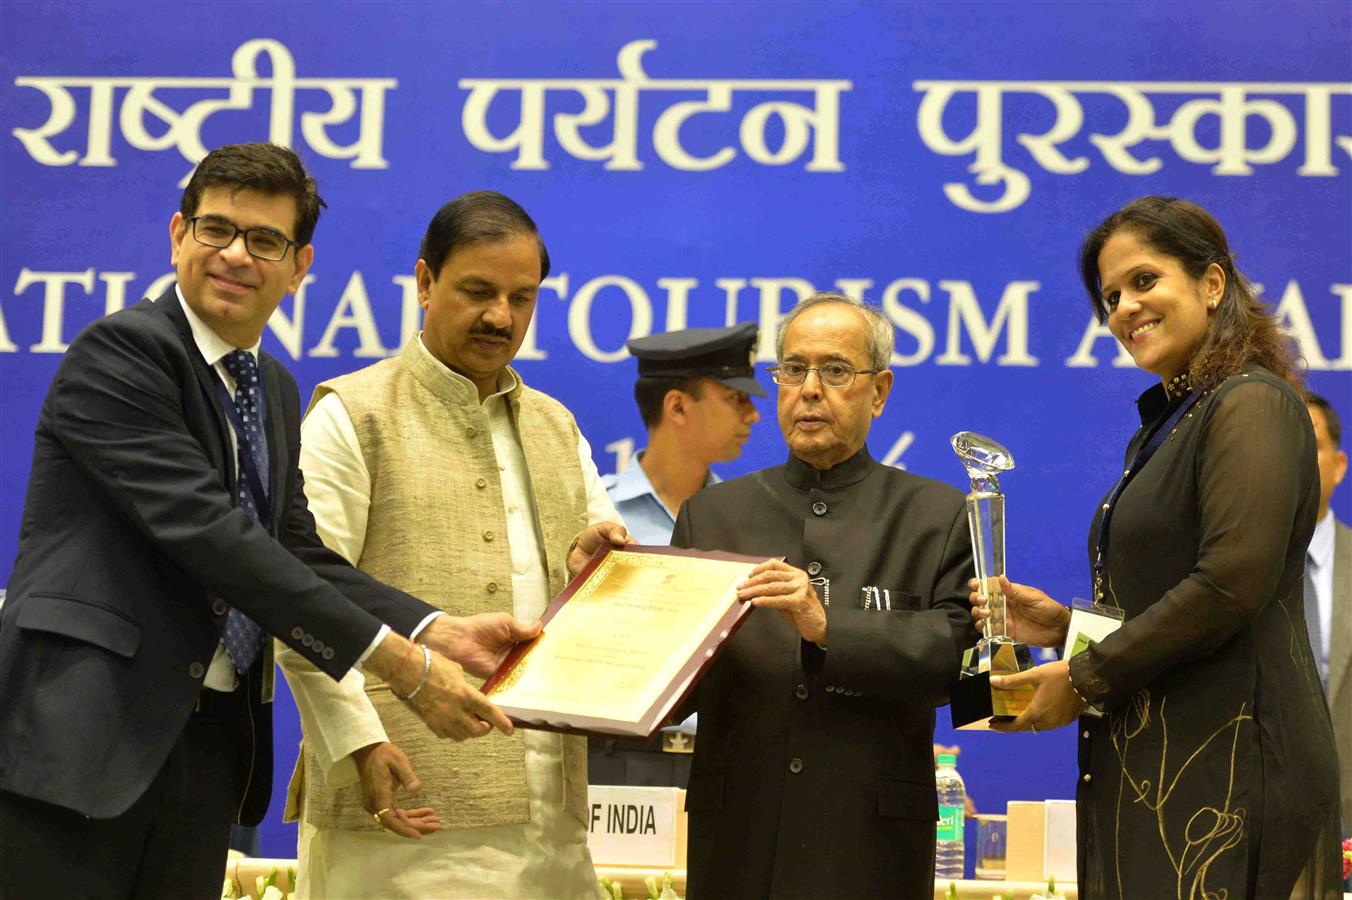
x: 1328, y: 592
x: 165, y: 535
x: 813, y: 774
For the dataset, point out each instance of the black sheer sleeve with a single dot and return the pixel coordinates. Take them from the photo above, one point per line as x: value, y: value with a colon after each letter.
x: 1254, y: 469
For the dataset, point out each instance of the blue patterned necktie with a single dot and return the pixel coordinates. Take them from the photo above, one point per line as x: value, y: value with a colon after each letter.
x: 242, y: 637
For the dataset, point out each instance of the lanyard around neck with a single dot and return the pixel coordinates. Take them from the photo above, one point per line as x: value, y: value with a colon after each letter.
x: 1157, y: 439
x: 247, y: 463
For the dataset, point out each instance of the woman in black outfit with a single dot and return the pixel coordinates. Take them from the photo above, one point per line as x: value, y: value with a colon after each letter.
x: 1212, y: 772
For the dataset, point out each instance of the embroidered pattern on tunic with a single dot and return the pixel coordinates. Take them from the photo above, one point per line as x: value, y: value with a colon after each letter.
x: 1210, y: 830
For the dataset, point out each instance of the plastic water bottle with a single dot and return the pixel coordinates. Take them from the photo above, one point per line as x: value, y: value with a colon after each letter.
x: 948, y: 844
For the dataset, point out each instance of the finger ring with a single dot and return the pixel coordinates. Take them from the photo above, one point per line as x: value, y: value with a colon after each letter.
x: 377, y: 815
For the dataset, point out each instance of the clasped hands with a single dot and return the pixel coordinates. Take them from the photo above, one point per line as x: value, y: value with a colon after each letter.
x: 774, y: 584
x: 1033, y: 618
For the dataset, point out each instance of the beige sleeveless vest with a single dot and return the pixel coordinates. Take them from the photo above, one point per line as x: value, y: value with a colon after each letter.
x: 437, y: 529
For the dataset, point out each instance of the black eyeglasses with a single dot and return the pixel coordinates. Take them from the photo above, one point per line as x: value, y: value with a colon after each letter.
x: 833, y: 375
x: 262, y: 243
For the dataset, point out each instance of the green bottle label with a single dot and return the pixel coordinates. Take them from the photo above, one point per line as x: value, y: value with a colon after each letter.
x: 950, y: 823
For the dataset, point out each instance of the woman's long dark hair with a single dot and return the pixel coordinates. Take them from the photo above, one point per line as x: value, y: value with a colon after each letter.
x: 1240, y: 332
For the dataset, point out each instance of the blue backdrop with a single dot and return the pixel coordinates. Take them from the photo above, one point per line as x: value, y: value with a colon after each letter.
x: 701, y: 164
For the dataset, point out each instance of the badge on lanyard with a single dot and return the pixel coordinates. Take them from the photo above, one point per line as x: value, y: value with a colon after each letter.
x: 1089, y: 624
x: 1092, y: 622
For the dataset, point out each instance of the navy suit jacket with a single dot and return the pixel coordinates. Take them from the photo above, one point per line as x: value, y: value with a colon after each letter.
x: 131, y: 552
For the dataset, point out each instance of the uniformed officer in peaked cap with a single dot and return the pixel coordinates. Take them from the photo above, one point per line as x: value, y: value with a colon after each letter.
x: 694, y: 394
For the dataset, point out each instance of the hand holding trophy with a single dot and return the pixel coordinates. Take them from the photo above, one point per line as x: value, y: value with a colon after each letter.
x: 973, y: 702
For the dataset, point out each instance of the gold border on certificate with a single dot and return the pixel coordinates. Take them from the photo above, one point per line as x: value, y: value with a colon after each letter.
x: 625, y: 638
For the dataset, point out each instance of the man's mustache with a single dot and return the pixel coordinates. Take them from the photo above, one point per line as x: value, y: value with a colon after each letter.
x: 489, y: 331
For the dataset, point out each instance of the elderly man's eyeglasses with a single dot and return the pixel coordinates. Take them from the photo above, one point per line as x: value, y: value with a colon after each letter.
x: 262, y: 243
x: 833, y: 375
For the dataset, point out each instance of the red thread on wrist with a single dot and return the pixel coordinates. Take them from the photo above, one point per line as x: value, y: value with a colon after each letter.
x: 399, y: 665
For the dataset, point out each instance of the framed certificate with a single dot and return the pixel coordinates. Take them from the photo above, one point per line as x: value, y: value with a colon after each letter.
x: 625, y: 642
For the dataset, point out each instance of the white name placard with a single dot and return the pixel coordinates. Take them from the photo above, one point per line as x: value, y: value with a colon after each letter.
x: 632, y: 826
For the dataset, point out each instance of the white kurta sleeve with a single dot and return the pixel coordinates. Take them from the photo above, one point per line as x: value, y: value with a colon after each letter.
x: 336, y: 717
x: 599, y: 507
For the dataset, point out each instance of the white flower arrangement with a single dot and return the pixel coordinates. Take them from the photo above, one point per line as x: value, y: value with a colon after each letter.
x: 611, y: 890
x: 1051, y: 894
x: 265, y: 887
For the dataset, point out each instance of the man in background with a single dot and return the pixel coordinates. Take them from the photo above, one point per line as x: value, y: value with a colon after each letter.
x: 1328, y: 592
x: 694, y: 394
x: 440, y: 471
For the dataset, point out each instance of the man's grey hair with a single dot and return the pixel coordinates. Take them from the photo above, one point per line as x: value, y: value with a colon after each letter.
x: 879, y: 339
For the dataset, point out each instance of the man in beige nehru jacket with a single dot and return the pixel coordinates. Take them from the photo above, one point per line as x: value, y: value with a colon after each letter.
x: 439, y: 471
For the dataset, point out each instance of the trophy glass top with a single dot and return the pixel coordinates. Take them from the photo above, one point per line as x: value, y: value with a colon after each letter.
x: 983, y: 458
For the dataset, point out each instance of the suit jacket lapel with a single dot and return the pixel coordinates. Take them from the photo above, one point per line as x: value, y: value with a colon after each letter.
x: 1340, y: 629
x: 168, y: 304
x: 278, y: 457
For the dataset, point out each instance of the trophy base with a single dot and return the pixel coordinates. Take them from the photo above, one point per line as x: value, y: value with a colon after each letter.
x: 973, y: 703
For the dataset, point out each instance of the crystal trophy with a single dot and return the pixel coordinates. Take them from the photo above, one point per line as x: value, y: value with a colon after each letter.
x: 973, y: 702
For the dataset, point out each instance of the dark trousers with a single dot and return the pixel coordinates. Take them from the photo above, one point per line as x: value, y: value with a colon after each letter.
x: 170, y: 843
x: 636, y: 763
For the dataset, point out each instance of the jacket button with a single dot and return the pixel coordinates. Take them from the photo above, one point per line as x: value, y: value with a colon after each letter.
x: 830, y: 689
x: 800, y: 692
x: 196, y: 670
x: 471, y: 431
x: 492, y: 587
x: 481, y: 483
x: 318, y: 647
x: 814, y: 568
x: 1086, y: 778
x: 795, y: 765
x: 1085, y: 734
x: 328, y: 653
x: 819, y: 508
x: 297, y: 632
x: 307, y: 640
x: 488, y: 536
x: 219, y: 607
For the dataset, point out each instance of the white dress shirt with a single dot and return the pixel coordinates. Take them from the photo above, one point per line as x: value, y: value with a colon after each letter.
x: 1320, y: 564
x: 221, y: 675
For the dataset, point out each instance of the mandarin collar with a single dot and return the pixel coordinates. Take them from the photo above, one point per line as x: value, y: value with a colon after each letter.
x: 1179, y: 386
x: 449, y: 384
x: 804, y: 477
x: 1155, y: 402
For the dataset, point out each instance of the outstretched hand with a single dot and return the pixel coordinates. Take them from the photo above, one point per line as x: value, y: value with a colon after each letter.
x: 1054, y: 702
x: 1030, y: 615
x: 383, y: 769
x: 592, y: 539
x: 480, y: 642
x: 435, y: 688
x: 451, y: 706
